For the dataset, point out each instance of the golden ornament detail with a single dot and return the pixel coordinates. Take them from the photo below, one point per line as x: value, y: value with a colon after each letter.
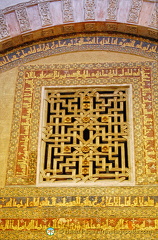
x: 105, y: 119
x: 84, y: 171
x: 85, y: 149
x: 86, y: 105
x: 86, y: 98
x: 86, y: 119
x: 85, y: 162
x: 105, y: 149
x: 67, y: 119
x: 67, y: 149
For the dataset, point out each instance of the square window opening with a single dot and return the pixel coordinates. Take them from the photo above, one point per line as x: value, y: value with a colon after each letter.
x: 86, y: 136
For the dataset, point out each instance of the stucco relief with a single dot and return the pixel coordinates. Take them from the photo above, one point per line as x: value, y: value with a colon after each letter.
x: 133, y: 16
x: 23, y: 19
x: 3, y: 27
x: 154, y: 17
x: 45, y: 13
x: 67, y: 11
x: 89, y: 9
x: 112, y: 9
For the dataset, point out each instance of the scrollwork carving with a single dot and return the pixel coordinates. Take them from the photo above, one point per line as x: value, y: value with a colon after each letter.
x: 3, y: 27
x: 154, y: 18
x: 112, y: 9
x: 23, y: 19
x: 133, y: 16
x: 45, y: 13
x: 89, y: 9
x: 67, y: 11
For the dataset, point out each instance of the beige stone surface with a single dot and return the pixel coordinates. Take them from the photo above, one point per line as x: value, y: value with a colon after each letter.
x: 55, y: 8
x: 101, y: 10
x: 8, y: 81
x: 90, y: 56
x: 78, y: 13
x: 34, y: 17
x: 124, y: 7
x: 7, y: 3
x: 13, y: 26
x: 7, y: 86
x: 144, y: 17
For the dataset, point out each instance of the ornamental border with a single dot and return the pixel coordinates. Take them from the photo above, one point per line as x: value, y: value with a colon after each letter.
x: 144, y: 173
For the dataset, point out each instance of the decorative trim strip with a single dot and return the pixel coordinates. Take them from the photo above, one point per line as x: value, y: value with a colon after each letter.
x: 84, y: 235
x: 112, y: 10
x: 16, y: 192
x: 133, y: 16
x: 154, y: 18
x: 23, y: 19
x: 3, y: 27
x: 89, y: 9
x: 45, y: 13
x: 153, y: 1
x: 67, y: 11
x: 79, y: 211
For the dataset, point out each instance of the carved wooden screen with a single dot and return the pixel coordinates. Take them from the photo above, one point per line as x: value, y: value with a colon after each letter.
x: 85, y: 135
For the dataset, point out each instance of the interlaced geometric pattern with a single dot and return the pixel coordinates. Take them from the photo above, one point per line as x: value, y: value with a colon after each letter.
x: 85, y: 134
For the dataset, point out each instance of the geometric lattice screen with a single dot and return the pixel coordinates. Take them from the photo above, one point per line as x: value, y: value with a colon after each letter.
x: 85, y: 135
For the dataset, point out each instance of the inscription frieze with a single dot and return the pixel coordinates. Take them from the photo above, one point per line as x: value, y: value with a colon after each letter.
x: 72, y: 201
x: 111, y: 224
x: 82, y: 43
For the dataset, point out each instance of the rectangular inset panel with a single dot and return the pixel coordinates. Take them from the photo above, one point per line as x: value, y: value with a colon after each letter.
x: 22, y: 158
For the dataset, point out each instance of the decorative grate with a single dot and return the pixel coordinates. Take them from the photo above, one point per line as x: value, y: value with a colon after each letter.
x: 85, y: 134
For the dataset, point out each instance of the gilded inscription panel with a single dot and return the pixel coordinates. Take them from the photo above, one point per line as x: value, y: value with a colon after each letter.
x: 78, y: 213
x: 80, y: 42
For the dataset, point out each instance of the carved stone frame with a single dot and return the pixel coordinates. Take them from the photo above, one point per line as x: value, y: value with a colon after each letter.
x: 22, y: 160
